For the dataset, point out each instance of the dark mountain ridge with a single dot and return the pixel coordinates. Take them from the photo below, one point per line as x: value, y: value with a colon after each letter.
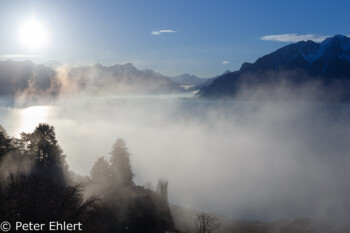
x: 327, y: 63
x: 209, y: 81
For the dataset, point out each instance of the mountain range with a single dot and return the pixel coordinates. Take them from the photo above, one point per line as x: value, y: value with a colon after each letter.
x: 188, y: 80
x: 121, y: 79
x: 326, y: 64
x: 322, y: 69
x: 52, y: 79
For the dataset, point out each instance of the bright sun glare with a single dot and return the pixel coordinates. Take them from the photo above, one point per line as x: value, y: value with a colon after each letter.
x: 33, y: 35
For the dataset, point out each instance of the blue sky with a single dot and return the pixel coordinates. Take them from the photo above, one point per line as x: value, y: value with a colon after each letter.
x: 204, y: 37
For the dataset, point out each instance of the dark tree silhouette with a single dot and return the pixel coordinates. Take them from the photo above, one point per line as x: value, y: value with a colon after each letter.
x: 34, y: 198
x: 205, y: 223
x: 42, y: 193
x: 120, y: 164
x: 5, y: 145
x: 11, y: 157
x: 47, y: 154
x: 101, y: 170
x: 162, y: 189
x: 127, y: 207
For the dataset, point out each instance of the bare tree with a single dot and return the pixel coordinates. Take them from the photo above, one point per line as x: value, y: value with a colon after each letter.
x: 206, y: 223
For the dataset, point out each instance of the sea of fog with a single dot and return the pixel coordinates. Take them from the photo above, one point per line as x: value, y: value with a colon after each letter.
x: 247, y: 160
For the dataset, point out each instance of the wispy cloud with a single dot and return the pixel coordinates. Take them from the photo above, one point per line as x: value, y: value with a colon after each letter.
x: 20, y: 55
x: 294, y: 37
x: 162, y: 31
x: 225, y: 62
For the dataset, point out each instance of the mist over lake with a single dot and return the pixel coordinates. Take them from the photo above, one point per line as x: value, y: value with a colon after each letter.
x: 247, y: 160
x: 175, y: 116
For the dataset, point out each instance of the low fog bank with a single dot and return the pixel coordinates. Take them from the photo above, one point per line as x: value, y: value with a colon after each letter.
x: 246, y: 160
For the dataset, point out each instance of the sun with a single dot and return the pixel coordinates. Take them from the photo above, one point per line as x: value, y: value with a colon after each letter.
x: 33, y: 34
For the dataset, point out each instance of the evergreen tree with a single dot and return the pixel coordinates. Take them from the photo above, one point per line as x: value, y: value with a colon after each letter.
x: 42, y: 146
x: 162, y: 189
x: 11, y: 158
x: 101, y: 170
x: 120, y: 166
x: 5, y: 145
x: 35, y: 198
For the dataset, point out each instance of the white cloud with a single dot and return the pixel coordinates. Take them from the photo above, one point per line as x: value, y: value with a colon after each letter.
x: 294, y: 37
x: 20, y: 55
x: 225, y: 62
x: 162, y: 31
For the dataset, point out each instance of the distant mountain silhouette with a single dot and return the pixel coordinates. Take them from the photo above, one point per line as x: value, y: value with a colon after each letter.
x: 25, y: 77
x: 121, y: 79
x: 327, y: 62
x: 187, y: 79
x: 14, y: 76
x: 209, y: 81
